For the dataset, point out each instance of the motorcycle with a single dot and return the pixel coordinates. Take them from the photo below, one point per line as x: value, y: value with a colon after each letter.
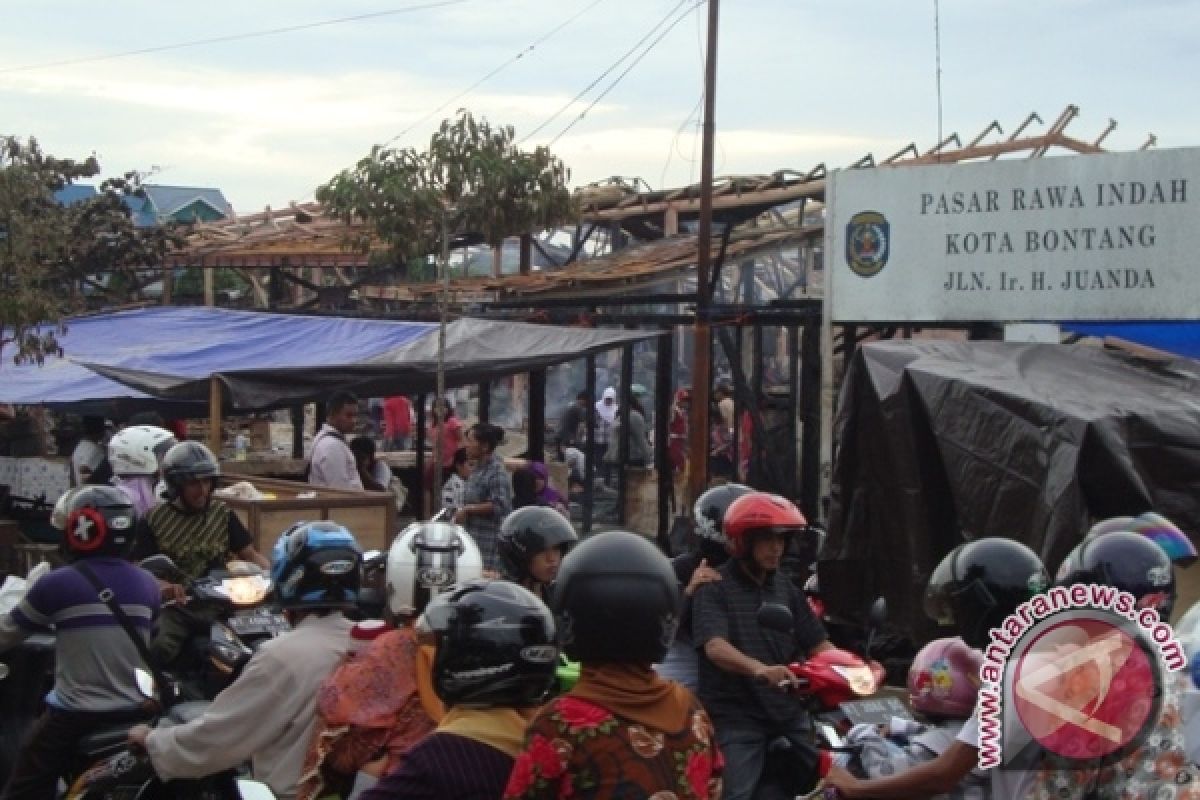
x: 828, y: 682
x: 26, y: 675
x: 115, y: 769
x: 244, y: 620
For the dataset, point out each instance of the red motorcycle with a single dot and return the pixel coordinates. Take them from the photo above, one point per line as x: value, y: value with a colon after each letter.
x: 796, y: 763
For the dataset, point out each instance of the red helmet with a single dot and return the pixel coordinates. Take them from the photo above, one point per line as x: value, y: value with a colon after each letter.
x: 759, y: 511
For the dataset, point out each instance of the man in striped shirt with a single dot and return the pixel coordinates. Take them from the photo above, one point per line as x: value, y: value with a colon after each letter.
x: 95, y: 658
x: 197, y: 533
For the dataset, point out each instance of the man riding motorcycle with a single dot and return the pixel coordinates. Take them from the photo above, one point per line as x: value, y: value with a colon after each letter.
x: 95, y: 658
x: 197, y: 532
x: 269, y: 713
x: 741, y: 662
x: 382, y: 701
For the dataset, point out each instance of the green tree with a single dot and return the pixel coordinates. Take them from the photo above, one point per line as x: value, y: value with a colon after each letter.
x: 48, y: 249
x: 473, y: 179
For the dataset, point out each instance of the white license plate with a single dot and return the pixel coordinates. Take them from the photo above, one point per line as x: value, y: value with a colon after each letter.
x: 255, y: 623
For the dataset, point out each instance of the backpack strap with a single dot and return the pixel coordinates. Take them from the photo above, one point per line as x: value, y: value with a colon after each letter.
x: 109, y: 598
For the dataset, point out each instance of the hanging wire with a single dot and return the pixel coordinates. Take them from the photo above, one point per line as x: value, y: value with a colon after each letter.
x: 937, y: 44
x: 626, y: 71
x: 602, y: 75
x: 235, y: 37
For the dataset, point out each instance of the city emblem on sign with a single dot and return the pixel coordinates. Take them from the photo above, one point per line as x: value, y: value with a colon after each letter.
x: 868, y: 237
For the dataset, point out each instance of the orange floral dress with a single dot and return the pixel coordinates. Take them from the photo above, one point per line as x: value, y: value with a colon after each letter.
x: 369, y: 708
x: 575, y: 748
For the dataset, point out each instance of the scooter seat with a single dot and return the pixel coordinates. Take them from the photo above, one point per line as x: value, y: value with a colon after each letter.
x: 104, y: 742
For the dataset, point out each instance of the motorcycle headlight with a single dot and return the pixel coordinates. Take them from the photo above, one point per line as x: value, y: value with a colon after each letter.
x: 245, y: 590
x: 860, y: 679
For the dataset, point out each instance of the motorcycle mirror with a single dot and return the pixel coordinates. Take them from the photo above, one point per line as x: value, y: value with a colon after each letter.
x: 162, y: 567
x: 878, y: 613
x: 253, y: 790
x: 145, y: 683
x: 775, y: 617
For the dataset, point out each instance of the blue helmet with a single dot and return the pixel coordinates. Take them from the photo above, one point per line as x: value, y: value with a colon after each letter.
x: 317, y: 565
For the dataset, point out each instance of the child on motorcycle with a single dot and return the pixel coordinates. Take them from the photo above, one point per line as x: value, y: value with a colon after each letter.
x: 1131, y: 558
x: 494, y: 659
x: 531, y: 546
x: 695, y: 568
x: 95, y: 658
x: 380, y: 702
x: 622, y: 731
x: 974, y: 588
x: 943, y: 685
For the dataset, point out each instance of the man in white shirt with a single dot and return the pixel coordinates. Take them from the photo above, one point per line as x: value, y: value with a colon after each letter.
x: 89, y: 453
x: 332, y: 462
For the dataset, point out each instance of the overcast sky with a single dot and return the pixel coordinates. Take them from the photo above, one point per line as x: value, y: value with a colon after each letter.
x: 801, y: 82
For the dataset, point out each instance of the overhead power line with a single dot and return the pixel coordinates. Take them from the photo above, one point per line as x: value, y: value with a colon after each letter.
x: 521, y: 54
x: 231, y: 37
x: 605, y: 73
x: 626, y: 71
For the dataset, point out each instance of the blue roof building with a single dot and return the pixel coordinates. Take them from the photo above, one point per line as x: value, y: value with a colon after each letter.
x: 184, y: 204
x: 75, y: 193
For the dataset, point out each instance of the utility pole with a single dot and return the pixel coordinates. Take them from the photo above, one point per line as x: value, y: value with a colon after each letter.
x: 698, y: 433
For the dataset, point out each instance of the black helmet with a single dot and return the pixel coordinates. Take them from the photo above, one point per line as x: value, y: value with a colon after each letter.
x: 527, y: 532
x: 980, y: 583
x: 616, y: 600
x: 188, y: 461
x: 710, y: 508
x: 99, y: 522
x: 1127, y: 560
x: 494, y: 645
x: 317, y: 565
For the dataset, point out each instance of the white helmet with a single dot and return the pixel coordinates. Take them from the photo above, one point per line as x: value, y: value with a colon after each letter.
x: 426, y: 559
x: 137, y: 450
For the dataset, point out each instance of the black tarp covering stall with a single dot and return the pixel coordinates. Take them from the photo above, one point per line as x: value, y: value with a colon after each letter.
x: 477, y: 350
x: 942, y: 442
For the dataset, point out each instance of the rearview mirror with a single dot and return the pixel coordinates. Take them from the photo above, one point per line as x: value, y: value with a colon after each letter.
x: 878, y: 613
x: 775, y: 617
x: 162, y: 567
x: 145, y: 683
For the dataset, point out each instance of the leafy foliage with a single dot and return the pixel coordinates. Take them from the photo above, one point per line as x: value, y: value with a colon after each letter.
x: 472, y: 173
x: 48, y: 249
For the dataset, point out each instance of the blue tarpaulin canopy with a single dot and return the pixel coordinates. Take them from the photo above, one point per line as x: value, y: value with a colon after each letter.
x: 195, y: 342
x: 266, y: 360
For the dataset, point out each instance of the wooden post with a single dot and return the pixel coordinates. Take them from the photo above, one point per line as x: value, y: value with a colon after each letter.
x: 215, y: 436
x: 297, y: 414
x: 623, y: 444
x: 662, y: 437
x: 589, y: 470
x: 810, y: 412
x: 485, y: 401
x: 419, y: 510
x: 210, y: 284
x: 537, y: 415
x: 168, y: 281
x: 701, y: 357
x: 526, y: 253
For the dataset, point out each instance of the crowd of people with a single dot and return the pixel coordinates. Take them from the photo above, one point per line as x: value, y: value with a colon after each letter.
x: 459, y: 691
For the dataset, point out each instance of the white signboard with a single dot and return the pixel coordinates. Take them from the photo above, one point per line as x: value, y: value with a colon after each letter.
x: 1091, y: 237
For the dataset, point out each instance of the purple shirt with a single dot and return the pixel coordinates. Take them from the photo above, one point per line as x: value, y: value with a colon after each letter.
x: 94, y: 657
x: 446, y: 765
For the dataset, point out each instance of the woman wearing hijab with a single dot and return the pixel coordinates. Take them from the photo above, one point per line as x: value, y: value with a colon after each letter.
x: 606, y: 422
x: 622, y: 731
